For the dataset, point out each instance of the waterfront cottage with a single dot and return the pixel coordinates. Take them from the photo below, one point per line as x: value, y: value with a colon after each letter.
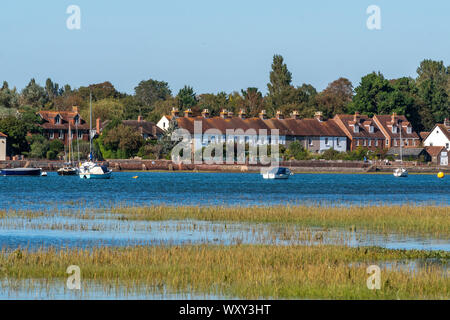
x: 439, y: 155
x: 361, y: 131
x: 391, y: 125
x: 439, y: 136
x: 56, y: 125
x: 315, y: 134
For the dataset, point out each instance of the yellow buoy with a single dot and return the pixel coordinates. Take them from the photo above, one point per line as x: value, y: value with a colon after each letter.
x: 135, y: 177
x: 440, y: 175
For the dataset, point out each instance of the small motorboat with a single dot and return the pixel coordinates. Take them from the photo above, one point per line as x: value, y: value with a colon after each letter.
x: 91, y: 170
x: 21, y: 172
x: 67, y: 171
x: 43, y: 174
x: 400, y: 173
x: 277, y: 173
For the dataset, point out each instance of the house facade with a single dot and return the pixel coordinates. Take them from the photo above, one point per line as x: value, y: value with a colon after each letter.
x: 315, y: 134
x: 361, y: 131
x: 56, y: 125
x: 392, y: 126
x: 3, y: 146
x: 439, y: 136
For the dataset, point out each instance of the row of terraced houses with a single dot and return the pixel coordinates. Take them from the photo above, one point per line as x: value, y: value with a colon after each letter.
x: 342, y: 133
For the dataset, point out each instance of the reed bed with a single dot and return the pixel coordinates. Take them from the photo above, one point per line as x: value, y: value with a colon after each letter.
x: 249, y: 272
x: 402, y: 219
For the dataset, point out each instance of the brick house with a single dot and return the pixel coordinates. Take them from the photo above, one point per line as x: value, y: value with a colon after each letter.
x: 56, y: 125
x: 361, y: 131
x: 391, y: 125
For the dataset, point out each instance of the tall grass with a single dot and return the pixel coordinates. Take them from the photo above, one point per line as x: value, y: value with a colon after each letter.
x: 405, y: 219
x: 238, y: 271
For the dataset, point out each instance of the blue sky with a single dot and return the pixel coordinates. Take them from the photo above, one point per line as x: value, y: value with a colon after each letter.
x: 217, y: 45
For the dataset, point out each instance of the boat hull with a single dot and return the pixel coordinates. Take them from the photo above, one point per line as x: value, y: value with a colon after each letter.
x: 21, y: 172
x: 95, y: 176
x: 73, y: 172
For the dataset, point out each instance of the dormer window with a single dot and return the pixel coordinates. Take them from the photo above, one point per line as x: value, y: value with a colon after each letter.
x: 77, y: 120
x: 408, y: 130
x: 355, y: 128
x: 371, y: 129
x: 394, y: 129
x: 57, y: 119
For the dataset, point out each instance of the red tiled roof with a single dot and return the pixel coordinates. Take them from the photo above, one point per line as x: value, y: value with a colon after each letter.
x: 424, y: 134
x: 434, y: 151
x: 364, y: 123
x: 386, y: 122
x: 288, y: 126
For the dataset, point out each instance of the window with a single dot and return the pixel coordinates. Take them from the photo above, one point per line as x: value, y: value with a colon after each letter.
x: 52, y: 135
x: 355, y: 128
x: 164, y: 124
x: 337, y: 142
x: 57, y: 120
x: 408, y: 130
x: 376, y: 142
x: 61, y: 134
x: 371, y: 129
x: 357, y: 142
x: 364, y: 142
x: 80, y: 135
x: 326, y: 142
x: 395, y: 142
x: 370, y: 142
x: 394, y: 129
x: 387, y: 142
x: 77, y: 120
x: 310, y: 141
x: 447, y: 145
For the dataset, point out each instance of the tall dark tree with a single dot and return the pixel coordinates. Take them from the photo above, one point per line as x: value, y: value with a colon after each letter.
x: 186, y: 97
x: 280, y: 82
x: 253, y: 101
x: 150, y: 91
x: 335, y: 98
x: 52, y: 89
x: 8, y: 98
x: 33, y: 94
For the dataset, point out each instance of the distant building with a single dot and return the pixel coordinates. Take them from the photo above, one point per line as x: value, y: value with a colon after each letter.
x: 439, y: 155
x: 56, y: 125
x: 361, y: 131
x: 3, y: 146
x: 147, y: 129
x: 439, y: 136
x: 315, y: 134
x: 410, y: 153
x: 391, y: 125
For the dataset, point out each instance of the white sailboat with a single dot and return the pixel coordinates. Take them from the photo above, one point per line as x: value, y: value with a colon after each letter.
x: 69, y: 169
x: 401, y: 172
x: 276, y: 173
x: 90, y: 169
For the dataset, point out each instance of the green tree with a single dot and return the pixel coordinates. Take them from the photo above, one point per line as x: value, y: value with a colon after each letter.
x: 39, y: 146
x: 253, y: 101
x: 124, y: 139
x: 33, y: 94
x: 51, y: 89
x: 8, y: 98
x: 280, y: 83
x: 16, y: 130
x: 186, y: 97
x: 335, y: 98
x: 150, y: 91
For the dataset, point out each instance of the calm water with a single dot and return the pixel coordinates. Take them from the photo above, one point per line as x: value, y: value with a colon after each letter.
x: 220, y: 188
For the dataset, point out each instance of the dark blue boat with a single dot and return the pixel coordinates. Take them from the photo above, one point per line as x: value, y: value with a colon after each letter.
x: 21, y: 172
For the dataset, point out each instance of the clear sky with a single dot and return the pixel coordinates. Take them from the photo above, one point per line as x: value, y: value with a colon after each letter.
x: 217, y: 45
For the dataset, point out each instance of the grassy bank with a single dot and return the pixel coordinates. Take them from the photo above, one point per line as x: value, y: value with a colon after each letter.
x: 426, y: 220
x: 238, y: 271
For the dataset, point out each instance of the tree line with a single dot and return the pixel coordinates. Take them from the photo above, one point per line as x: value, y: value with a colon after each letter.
x: 424, y: 100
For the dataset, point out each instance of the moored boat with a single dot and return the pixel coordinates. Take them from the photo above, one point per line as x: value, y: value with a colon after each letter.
x: 277, y: 173
x: 21, y: 172
x: 92, y: 170
x: 67, y: 171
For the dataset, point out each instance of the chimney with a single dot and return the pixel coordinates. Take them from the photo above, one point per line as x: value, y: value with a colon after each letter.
x: 139, y: 118
x: 187, y: 113
x: 98, y: 126
x: 242, y: 114
x: 75, y: 109
x: 174, y: 112
x: 205, y: 113
x: 394, y: 115
x: 154, y: 131
x: 223, y: 113
x: 279, y: 115
x: 447, y: 123
x: 318, y: 116
x: 263, y: 114
x: 295, y: 114
x: 356, y: 117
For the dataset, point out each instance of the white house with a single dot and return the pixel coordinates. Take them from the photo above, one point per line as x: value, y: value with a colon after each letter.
x: 439, y: 136
x: 3, y: 146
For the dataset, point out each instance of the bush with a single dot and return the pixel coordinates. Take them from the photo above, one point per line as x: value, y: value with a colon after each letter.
x: 57, y: 146
x: 297, y: 151
x: 51, y: 155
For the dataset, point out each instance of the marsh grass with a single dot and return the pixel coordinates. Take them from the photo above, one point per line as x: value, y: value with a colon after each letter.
x: 241, y: 271
x: 406, y: 219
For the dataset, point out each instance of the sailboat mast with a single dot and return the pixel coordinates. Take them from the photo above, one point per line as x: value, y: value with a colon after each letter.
x: 70, y: 142
x: 401, y: 143
x: 90, y: 126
